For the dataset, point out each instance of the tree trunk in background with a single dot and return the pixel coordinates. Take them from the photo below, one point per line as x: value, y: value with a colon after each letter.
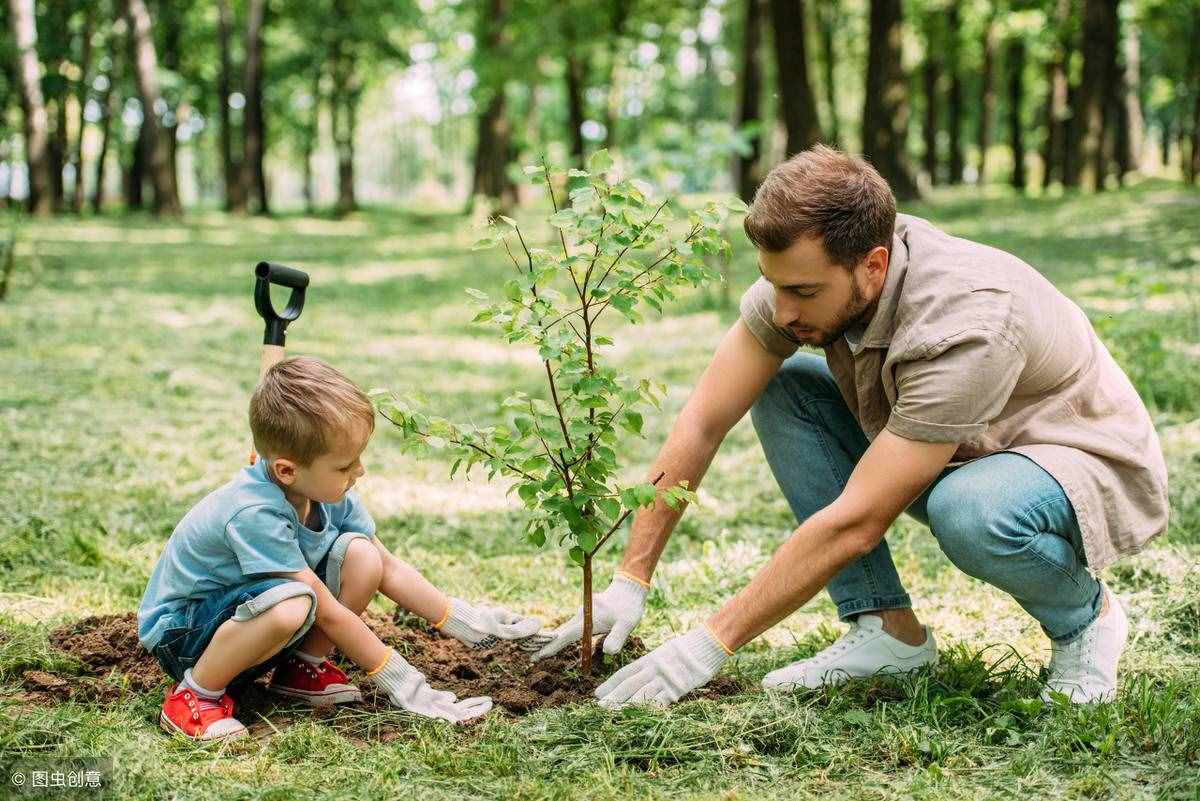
x: 1016, y: 99
x: 799, y: 107
x: 1135, y: 121
x: 58, y: 149
x: 231, y: 168
x: 493, y: 141
x: 1070, y: 165
x: 135, y: 177
x: 987, y: 94
x: 930, y: 74
x: 109, y: 109
x: 344, y: 118
x: 1099, y: 60
x: 827, y: 21
x: 885, y: 112
x: 745, y: 167
x: 619, y: 16
x: 1054, y: 147
x: 310, y: 143
x: 1193, y: 171
x: 254, y: 125
x: 171, y: 27
x: 575, y: 114
x: 145, y: 68
x: 955, y: 101
x: 33, y: 106
x: 81, y: 97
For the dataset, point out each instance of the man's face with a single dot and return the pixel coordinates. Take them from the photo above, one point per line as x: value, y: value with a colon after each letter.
x: 331, y: 475
x: 817, y: 300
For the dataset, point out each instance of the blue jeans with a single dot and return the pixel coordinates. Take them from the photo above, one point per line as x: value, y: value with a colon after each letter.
x: 189, y: 634
x: 1001, y: 518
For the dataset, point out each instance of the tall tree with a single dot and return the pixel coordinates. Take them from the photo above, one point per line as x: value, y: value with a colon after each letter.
x: 493, y: 144
x: 231, y: 167
x: 109, y: 111
x: 987, y: 91
x: 254, y: 127
x: 1100, y: 41
x: 81, y: 99
x: 1055, y: 147
x: 954, y: 111
x: 24, y: 29
x: 828, y: 19
x: 931, y: 71
x: 1134, y: 126
x: 885, y: 111
x: 1015, y: 61
x: 796, y: 96
x: 745, y: 165
x: 145, y: 70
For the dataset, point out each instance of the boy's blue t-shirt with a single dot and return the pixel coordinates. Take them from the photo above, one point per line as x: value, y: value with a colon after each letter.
x: 246, y: 527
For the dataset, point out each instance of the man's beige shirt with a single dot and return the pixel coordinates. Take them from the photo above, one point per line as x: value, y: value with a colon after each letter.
x: 970, y: 344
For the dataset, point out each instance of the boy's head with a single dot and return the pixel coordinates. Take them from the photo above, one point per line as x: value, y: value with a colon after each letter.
x: 311, y: 424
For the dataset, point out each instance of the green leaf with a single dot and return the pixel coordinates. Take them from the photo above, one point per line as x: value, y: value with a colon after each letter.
x: 599, y: 162
x: 633, y: 422
x: 533, y: 169
x: 507, y: 220
x: 478, y: 294
x: 574, y: 173
x: 576, y: 554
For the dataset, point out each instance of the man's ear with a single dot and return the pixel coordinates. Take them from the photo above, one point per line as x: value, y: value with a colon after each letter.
x: 284, y: 469
x: 877, y: 265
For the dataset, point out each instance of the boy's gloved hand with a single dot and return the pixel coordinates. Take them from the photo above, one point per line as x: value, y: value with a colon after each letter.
x: 484, y: 626
x: 407, y: 689
x: 666, y: 674
x: 615, y: 612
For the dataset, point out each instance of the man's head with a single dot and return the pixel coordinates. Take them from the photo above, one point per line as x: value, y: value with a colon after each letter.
x: 311, y: 424
x: 823, y: 222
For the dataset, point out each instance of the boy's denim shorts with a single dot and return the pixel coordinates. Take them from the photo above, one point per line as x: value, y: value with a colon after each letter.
x: 193, y: 627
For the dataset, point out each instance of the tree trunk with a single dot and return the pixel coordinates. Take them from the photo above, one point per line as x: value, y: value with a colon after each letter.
x: 33, y: 106
x: 81, y: 96
x: 987, y: 94
x: 619, y: 16
x: 109, y: 109
x: 172, y: 29
x: 231, y: 168
x: 310, y: 144
x: 166, y: 194
x: 955, y: 101
x: 930, y: 74
x: 1016, y: 99
x: 1193, y: 170
x: 1054, y: 147
x: 745, y: 166
x: 343, y: 117
x: 135, y: 181
x: 827, y: 22
x: 1135, y: 121
x: 885, y: 112
x: 1099, y: 61
x: 798, y: 104
x: 575, y: 113
x: 254, y: 133
x: 493, y: 142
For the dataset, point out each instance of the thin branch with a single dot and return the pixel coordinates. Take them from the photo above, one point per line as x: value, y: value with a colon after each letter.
x: 620, y: 520
x: 557, y: 406
x: 650, y: 222
x: 485, y: 452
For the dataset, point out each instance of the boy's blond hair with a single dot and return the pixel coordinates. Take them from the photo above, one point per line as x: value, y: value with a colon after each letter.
x: 300, y: 405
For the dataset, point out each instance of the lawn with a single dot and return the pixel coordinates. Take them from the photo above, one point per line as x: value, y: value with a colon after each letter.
x: 129, y: 349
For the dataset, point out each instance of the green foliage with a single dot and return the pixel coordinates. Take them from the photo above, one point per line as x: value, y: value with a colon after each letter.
x: 615, y: 250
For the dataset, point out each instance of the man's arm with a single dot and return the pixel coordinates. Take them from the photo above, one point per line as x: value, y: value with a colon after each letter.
x: 892, y: 473
x: 739, y: 371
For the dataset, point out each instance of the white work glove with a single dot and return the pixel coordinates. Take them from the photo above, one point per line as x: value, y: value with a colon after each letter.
x: 615, y: 612
x: 484, y: 626
x: 666, y: 674
x: 407, y: 689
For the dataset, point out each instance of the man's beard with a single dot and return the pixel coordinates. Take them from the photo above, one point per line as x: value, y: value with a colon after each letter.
x: 858, y: 310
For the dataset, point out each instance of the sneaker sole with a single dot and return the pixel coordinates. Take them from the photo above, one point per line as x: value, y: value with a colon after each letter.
x: 838, y: 677
x: 167, y: 725
x: 319, y: 699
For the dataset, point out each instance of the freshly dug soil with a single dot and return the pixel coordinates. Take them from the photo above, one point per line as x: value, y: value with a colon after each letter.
x: 114, y: 664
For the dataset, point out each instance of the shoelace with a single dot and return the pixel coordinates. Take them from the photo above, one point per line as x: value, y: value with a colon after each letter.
x: 199, y: 704
x: 851, y: 637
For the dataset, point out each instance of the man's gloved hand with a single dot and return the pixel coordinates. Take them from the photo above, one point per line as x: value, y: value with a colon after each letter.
x: 407, y: 689
x: 666, y: 674
x: 616, y: 611
x: 484, y: 626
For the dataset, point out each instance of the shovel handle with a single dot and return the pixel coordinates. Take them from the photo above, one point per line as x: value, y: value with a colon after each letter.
x: 267, y: 273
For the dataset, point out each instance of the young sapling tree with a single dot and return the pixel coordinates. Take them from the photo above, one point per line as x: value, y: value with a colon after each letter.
x: 613, y: 249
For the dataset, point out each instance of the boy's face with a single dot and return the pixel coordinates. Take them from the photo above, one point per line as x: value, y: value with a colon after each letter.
x: 331, y: 474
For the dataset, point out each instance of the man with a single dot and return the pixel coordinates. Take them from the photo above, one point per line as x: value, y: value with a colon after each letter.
x: 959, y: 385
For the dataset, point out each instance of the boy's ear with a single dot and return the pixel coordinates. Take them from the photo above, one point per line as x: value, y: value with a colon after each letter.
x: 285, y: 471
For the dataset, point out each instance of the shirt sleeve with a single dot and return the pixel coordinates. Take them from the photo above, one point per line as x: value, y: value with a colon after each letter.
x: 758, y: 312
x: 355, y: 516
x: 955, y: 394
x: 264, y: 541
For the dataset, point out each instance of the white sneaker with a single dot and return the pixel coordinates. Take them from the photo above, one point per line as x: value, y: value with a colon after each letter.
x: 865, y: 650
x: 1085, y: 669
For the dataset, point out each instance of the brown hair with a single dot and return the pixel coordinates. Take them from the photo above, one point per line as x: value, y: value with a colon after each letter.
x: 300, y: 405
x: 823, y: 192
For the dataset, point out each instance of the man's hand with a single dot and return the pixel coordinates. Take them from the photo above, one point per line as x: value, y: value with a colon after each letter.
x: 407, y: 688
x: 666, y: 674
x: 484, y: 626
x: 616, y: 611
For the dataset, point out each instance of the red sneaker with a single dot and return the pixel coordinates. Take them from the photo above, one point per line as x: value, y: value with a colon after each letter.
x: 319, y: 685
x: 184, y: 712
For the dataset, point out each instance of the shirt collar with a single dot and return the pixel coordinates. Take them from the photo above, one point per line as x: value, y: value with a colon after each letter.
x: 879, y: 330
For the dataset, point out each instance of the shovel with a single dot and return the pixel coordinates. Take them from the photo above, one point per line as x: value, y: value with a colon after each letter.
x: 275, y: 332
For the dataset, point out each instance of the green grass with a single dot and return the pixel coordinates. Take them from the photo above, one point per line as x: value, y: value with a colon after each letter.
x: 129, y: 350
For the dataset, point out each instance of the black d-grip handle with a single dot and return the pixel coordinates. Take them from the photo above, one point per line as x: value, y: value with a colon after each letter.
x: 267, y: 273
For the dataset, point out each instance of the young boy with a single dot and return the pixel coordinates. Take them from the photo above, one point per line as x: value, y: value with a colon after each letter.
x: 272, y: 570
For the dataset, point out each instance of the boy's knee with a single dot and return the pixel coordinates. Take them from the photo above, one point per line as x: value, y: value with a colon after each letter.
x: 290, y: 615
x: 364, y: 562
